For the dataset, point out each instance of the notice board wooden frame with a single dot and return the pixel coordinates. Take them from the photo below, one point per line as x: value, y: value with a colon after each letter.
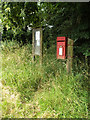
x: 34, y: 44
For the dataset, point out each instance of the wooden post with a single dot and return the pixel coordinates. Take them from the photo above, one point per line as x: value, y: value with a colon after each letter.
x: 33, y: 49
x: 41, y: 53
x: 69, y: 55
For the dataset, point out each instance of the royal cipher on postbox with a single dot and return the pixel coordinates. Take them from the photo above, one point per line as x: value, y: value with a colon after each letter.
x: 61, y: 47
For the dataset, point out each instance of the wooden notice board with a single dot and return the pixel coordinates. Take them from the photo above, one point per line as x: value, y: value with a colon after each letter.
x: 37, y: 43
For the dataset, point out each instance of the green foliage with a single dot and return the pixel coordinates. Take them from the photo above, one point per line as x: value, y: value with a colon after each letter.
x: 31, y: 90
x: 58, y: 19
x: 69, y: 19
x: 84, y: 49
x: 17, y: 17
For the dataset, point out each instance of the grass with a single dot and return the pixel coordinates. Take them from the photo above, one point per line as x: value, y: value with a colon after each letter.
x: 30, y: 90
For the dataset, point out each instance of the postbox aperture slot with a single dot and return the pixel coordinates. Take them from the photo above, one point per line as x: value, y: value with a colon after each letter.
x: 61, y: 41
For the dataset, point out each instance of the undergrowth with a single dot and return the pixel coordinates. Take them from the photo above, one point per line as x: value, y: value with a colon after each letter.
x: 32, y: 90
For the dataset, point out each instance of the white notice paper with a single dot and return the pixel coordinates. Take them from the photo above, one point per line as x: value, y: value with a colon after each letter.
x: 60, y: 51
x: 38, y: 38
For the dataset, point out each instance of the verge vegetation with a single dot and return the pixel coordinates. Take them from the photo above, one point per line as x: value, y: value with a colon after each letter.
x: 33, y: 91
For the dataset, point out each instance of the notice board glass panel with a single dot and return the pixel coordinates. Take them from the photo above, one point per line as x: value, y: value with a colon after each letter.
x: 37, y: 42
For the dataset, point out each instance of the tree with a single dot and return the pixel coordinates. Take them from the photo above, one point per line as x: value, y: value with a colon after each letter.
x: 72, y: 20
x: 58, y: 19
x: 17, y: 17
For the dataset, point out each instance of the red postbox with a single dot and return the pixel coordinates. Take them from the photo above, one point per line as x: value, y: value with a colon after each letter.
x: 61, y: 47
